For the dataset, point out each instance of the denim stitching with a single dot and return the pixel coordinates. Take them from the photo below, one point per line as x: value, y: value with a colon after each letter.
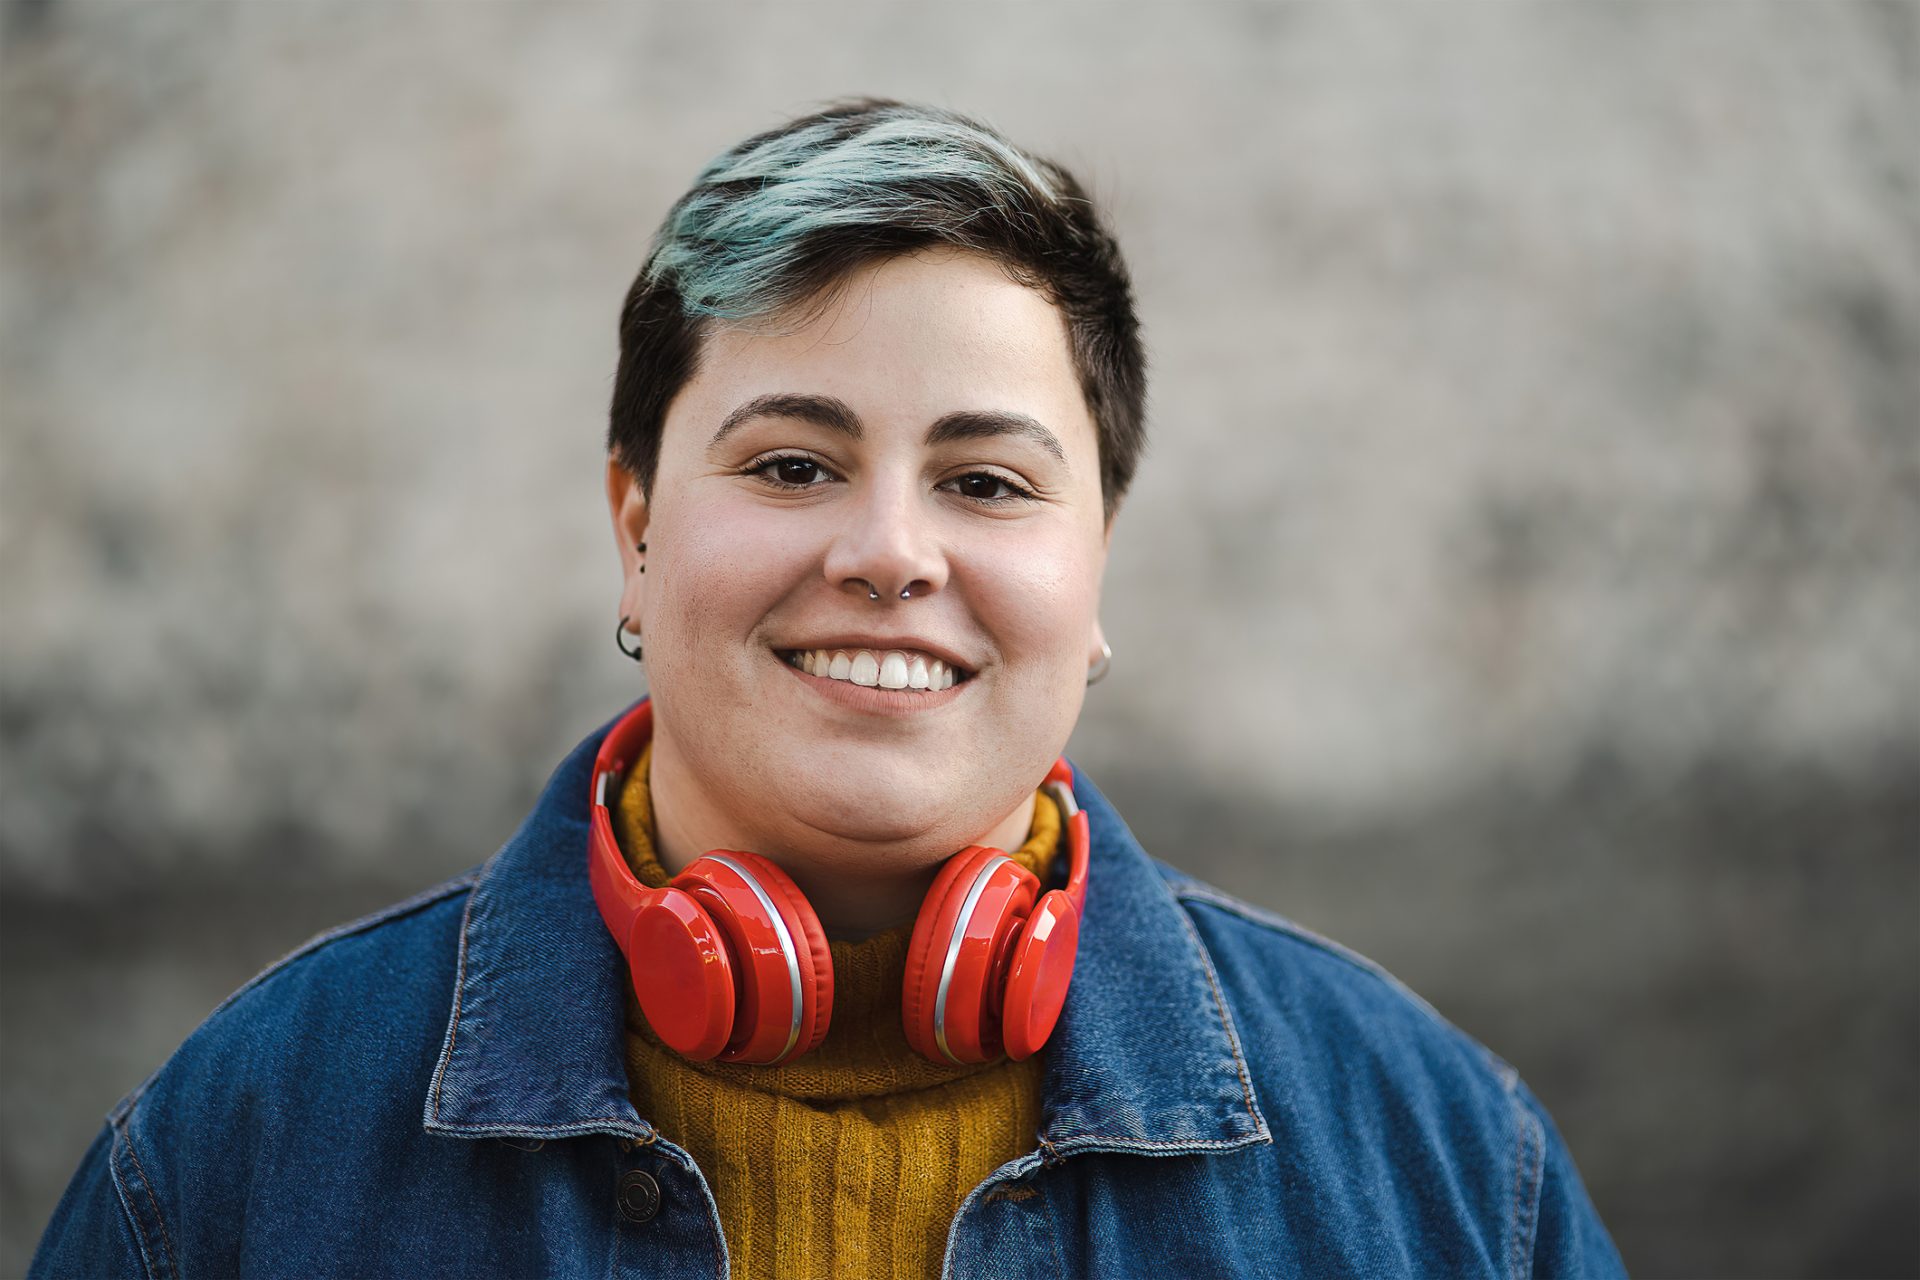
x: 716, y: 1240
x: 616, y: 1238
x: 618, y: 1126
x: 459, y: 993
x: 1053, y: 1236
x: 1279, y: 923
x: 716, y: 1234
x: 1018, y: 1168
x: 124, y: 1108
x: 605, y: 1126
x: 146, y: 1185
x: 1508, y: 1075
x: 425, y: 898
x: 1179, y: 1147
x: 1519, y: 1172
x: 1233, y: 1036
x: 1528, y: 1157
x: 150, y: 1265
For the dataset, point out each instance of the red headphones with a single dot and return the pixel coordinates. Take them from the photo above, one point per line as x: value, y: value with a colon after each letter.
x: 729, y: 960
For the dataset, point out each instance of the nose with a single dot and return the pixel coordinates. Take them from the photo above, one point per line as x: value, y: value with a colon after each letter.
x: 887, y: 540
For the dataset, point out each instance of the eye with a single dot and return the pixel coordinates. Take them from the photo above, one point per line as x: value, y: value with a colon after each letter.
x: 982, y: 486
x: 786, y: 471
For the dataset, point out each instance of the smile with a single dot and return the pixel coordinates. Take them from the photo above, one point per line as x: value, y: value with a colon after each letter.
x: 902, y: 669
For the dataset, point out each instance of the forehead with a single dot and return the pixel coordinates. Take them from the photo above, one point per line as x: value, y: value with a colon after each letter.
x: 903, y: 341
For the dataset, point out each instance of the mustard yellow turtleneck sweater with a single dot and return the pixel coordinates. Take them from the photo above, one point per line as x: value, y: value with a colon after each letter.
x: 851, y: 1159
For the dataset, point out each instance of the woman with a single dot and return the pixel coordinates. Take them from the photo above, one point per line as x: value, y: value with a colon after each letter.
x: 755, y: 990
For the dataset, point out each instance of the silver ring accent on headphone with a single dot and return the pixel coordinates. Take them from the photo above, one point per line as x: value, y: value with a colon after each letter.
x: 953, y: 955
x: 1063, y: 796
x: 786, y: 945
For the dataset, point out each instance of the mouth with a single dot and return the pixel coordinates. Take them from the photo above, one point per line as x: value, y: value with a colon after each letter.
x: 903, y: 670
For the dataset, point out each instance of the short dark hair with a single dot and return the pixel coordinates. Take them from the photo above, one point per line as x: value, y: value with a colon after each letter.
x: 782, y: 219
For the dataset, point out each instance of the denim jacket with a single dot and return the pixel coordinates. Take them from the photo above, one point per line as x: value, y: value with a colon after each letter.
x: 438, y: 1089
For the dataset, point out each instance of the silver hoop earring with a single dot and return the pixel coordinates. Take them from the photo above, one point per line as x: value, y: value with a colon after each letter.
x: 620, y: 638
x: 1097, y: 673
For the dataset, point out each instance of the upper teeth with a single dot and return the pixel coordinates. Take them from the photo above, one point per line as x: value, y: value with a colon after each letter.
x: 885, y: 669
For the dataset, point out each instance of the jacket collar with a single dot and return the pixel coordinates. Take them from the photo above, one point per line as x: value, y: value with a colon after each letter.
x: 1145, y: 1057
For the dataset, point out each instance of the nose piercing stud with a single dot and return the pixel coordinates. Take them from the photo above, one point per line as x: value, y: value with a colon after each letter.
x: 643, y: 550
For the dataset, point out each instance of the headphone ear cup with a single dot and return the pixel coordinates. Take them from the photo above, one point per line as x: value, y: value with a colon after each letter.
x: 1037, y: 978
x: 961, y: 941
x: 784, y: 982
x: 684, y: 974
x: 810, y: 938
x: 918, y: 988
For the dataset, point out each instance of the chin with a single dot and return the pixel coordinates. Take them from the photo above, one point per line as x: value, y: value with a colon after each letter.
x: 870, y: 807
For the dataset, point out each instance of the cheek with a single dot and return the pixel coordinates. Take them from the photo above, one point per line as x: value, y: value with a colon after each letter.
x: 730, y: 568
x: 1040, y: 601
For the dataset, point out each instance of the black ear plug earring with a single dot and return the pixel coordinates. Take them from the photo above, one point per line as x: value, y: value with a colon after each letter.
x: 620, y: 631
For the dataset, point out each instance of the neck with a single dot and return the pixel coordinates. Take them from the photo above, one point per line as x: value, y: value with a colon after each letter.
x: 857, y: 886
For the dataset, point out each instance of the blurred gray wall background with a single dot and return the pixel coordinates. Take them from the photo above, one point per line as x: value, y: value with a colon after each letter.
x: 1522, y: 587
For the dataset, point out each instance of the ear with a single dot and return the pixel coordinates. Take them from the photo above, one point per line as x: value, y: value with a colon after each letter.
x: 628, y: 507
x: 1099, y: 636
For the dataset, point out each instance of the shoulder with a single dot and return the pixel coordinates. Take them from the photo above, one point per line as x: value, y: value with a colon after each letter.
x: 1347, y: 1059
x: 1278, y: 974
x: 338, y: 1036
x: 360, y: 980
x: 1375, y: 1089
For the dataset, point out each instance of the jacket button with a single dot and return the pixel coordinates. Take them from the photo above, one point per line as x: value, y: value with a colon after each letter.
x: 639, y: 1196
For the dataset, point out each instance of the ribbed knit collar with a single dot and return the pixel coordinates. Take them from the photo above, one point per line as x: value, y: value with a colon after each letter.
x: 865, y: 1053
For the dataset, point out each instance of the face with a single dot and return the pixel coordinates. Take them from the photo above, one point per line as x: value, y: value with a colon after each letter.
x: 926, y: 432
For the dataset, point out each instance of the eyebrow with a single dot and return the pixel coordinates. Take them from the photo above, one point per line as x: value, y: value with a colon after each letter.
x: 836, y: 415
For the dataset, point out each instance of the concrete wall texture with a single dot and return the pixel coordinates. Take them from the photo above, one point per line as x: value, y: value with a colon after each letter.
x: 1522, y: 586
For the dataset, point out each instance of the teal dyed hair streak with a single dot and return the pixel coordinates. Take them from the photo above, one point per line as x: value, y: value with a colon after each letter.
x: 773, y: 226
x: 735, y: 244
